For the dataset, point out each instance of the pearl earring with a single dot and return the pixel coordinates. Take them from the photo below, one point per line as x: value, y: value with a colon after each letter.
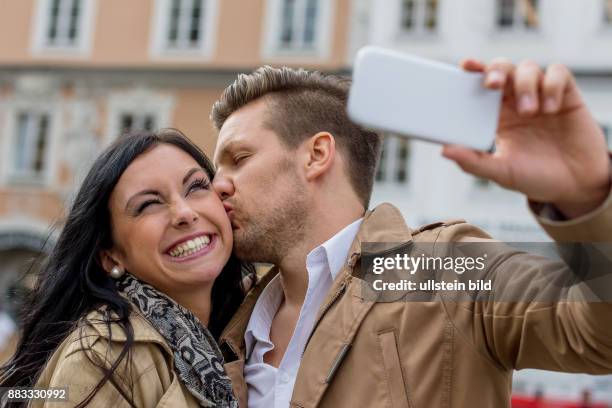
x: 116, y: 272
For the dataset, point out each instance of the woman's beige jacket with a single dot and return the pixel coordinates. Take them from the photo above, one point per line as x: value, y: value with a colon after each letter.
x: 148, y: 378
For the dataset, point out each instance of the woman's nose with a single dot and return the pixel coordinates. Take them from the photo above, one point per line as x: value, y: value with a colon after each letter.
x: 183, y: 214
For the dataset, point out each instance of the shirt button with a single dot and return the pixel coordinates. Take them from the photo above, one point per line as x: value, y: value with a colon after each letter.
x: 284, y: 378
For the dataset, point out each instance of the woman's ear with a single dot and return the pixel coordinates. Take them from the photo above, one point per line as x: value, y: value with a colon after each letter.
x: 109, y: 260
x: 322, y: 151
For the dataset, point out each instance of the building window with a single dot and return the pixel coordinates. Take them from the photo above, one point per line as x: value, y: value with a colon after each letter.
x: 63, y: 23
x: 607, y: 131
x: 299, y: 21
x: 394, y: 160
x: 130, y: 122
x: 185, y: 29
x: 517, y: 14
x: 419, y: 16
x: 607, y: 12
x: 403, y: 154
x: 30, y: 146
x: 137, y: 109
x: 298, y: 28
x: 381, y: 174
x: 63, y: 26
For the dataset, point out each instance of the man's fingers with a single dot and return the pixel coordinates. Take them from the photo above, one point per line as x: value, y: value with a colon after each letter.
x: 472, y: 65
x: 556, y: 80
x: 480, y: 164
x: 527, y: 78
x: 498, y: 72
x: 527, y: 85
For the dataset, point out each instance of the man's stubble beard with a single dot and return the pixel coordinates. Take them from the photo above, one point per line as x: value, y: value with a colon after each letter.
x: 267, y: 236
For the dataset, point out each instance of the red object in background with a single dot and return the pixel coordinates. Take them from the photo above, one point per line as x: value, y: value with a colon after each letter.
x: 521, y: 401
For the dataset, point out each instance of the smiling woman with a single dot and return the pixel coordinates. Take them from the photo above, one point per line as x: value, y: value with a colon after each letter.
x: 139, y: 285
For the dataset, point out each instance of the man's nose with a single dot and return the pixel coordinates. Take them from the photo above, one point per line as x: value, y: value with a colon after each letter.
x: 223, y: 186
x: 183, y: 214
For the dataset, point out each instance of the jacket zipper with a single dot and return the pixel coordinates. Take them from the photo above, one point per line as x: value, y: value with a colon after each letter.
x: 352, y: 262
x: 354, y: 257
x: 329, y: 304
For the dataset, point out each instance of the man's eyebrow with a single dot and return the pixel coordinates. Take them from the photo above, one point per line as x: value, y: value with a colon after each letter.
x: 229, y: 146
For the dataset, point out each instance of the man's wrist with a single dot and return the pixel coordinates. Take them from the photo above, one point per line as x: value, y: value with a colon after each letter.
x: 572, y: 210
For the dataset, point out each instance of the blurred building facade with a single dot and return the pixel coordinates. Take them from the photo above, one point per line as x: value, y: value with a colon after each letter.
x: 414, y: 175
x: 75, y: 74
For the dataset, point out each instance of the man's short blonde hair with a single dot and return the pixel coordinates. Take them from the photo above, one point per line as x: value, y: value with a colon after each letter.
x: 300, y: 104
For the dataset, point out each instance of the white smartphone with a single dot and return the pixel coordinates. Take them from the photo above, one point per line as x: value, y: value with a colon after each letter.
x: 421, y: 98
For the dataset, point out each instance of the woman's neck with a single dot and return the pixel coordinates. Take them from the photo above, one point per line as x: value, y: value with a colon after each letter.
x: 198, y: 301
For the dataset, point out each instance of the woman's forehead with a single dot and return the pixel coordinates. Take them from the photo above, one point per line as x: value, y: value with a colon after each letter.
x: 161, y: 165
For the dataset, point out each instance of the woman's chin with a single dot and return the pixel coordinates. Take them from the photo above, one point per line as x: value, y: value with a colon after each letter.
x: 191, y: 279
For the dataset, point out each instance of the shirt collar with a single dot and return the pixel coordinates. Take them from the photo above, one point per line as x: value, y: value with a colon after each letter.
x: 263, y: 314
x: 335, y: 250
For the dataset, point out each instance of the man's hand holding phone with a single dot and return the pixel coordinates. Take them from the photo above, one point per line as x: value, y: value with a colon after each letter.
x: 548, y: 146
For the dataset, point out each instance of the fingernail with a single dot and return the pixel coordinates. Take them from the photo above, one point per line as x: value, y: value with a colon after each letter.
x: 526, y: 104
x: 495, y: 78
x: 550, y: 105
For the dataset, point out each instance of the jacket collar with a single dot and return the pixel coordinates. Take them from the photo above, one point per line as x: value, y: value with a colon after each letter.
x: 143, y: 331
x: 385, y: 225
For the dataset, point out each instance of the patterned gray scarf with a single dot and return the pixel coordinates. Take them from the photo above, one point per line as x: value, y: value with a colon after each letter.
x: 197, y: 358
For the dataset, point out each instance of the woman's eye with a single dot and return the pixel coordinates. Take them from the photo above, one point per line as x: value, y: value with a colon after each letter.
x: 145, y: 205
x: 238, y: 159
x: 199, y: 184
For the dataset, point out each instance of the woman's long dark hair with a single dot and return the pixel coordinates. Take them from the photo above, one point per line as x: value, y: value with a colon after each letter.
x: 72, y: 283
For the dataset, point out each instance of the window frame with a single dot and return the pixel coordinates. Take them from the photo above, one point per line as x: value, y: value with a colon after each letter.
x: 390, y: 164
x: 419, y: 18
x: 32, y: 121
x: 160, y: 27
x: 137, y: 117
x: 14, y: 106
x: 382, y: 166
x: 606, y: 18
x: 298, y: 25
x: 137, y: 102
x: 81, y: 46
x: 606, y: 127
x: 323, y: 33
x: 518, y: 20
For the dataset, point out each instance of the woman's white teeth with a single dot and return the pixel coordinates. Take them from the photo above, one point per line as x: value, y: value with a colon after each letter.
x: 190, y: 247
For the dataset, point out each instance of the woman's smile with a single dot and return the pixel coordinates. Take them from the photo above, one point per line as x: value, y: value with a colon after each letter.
x: 192, y: 248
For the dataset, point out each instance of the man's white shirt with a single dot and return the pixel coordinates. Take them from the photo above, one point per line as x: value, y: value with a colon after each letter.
x: 269, y: 386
